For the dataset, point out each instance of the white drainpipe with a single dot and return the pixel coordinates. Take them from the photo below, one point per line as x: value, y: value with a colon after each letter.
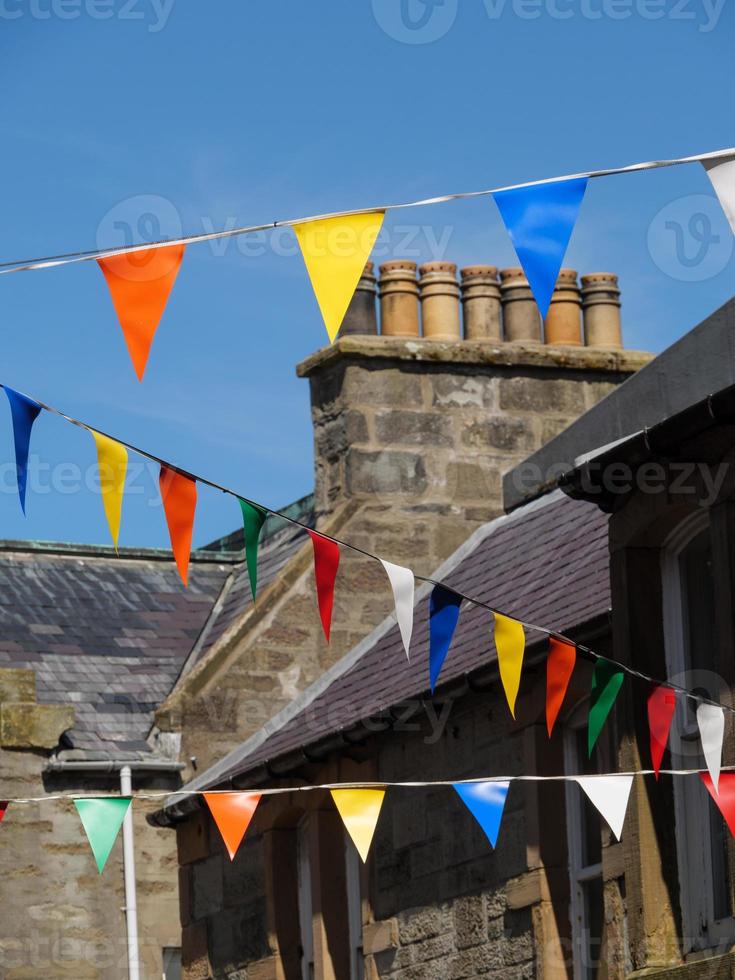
x: 131, y: 900
x: 126, y: 789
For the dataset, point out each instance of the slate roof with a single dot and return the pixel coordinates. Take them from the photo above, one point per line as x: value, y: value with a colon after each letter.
x: 112, y: 634
x: 546, y: 563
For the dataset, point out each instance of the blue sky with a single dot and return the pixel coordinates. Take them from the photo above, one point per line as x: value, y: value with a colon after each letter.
x: 211, y: 115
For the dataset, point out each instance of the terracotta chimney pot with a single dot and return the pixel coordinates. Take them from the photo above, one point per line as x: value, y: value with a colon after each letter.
x: 399, y: 299
x: 521, y: 317
x: 481, y: 303
x: 563, y: 324
x: 439, y: 291
x: 361, y: 317
x: 601, y: 306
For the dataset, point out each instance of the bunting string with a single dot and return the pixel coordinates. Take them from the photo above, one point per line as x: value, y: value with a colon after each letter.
x: 382, y: 784
x: 450, y: 596
x: 67, y: 258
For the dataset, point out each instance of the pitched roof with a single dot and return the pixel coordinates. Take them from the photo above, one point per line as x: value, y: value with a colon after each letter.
x: 107, y: 634
x: 545, y: 563
x: 700, y: 363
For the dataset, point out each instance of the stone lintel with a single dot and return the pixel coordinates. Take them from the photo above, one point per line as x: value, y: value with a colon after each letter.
x: 481, y: 353
x: 27, y: 725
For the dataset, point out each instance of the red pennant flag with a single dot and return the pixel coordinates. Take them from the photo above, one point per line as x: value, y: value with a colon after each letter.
x: 3, y: 809
x: 179, y: 495
x: 661, y: 707
x: 559, y: 669
x: 140, y: 283
x: 232, y: 812
x: 725, y: 798
x: 326, y: 563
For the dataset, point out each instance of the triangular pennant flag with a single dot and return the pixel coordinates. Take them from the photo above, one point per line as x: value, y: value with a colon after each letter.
x: 661, y: 708
x: 140, y: 283
x: 443, y: 617
x: 112, y: 459
x: 559, y: 669
x: 179, y: 495
x: 402, y: 583
x: 486, y: 802
x: 253, y: 519
x: 102, y: 819
x: 24, y: 412
x: 540, y: 220
x: 510, y: 643
x: 711, y: 721
x: 359, y: 809
x: 722, y: 174
x: 610, y: 795
x: 232, y: 812
x: 3, y: 809
x: 326, y: 563
x: 607, y: 680
x: 335, y: 251
x: 724, y: 797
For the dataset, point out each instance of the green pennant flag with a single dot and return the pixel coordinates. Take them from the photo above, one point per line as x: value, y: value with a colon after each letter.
x: 102, y: 818
x: 253, y: 519
x: 607, y: 680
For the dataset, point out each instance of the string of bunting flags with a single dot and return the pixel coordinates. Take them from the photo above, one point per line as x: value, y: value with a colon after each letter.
x: 539, y: 216
x: 178, y: 490
x: 360, y: 805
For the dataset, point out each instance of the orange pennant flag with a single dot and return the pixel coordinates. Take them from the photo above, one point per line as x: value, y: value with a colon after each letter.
x: 232, y: 812
x: 559, y: 669
x: 140, y: 283
x: 179, y: 495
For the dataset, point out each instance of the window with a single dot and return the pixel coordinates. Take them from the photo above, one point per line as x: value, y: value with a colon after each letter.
x: 689, y: 628
x: 584, y: 842
x: 305, y: 903
x: 171, y: 963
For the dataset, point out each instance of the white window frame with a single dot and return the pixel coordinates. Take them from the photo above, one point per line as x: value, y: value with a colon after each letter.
x: 354, y: 909
x: 580, y: 873
x: 306, y: 909
x: 702, y: 930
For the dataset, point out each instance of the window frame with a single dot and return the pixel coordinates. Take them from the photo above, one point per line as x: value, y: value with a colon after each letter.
x: 580, y: 873
x: 305, y: 901
x: 702, y: 930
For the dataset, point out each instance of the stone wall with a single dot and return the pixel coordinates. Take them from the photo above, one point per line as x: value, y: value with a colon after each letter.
x: 60, y: 918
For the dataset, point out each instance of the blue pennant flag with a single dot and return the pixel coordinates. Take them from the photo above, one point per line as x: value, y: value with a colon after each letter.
x: 486, y: 802
x: 540, y: 220
x: 443, y: 616
x: 24, y: 412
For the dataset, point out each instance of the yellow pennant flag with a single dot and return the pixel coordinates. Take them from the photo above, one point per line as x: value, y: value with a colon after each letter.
x: 510, y: 642
x: 113, y: 464
x: 359, y: 809
x: 335, y: 251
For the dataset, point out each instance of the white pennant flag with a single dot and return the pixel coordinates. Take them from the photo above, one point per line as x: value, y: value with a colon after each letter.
x: 722, y: 175
x: 402, y: 583
x: 711, y: 721
x: 610, y: 794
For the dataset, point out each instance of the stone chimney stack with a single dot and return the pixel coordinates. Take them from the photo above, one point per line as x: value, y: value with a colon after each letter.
x: 415, y: 427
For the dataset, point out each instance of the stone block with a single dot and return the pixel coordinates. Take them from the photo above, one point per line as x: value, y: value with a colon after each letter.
x: 509, y: 434
x: 414, y: 429
x: 470, y: 921
x: 27, y: 725
x: 386, y: 387
x: 459, y: 390
x: 207, y: 889
x: 386, y: 473
x: 471, y: 481
x: 17, y: 684
x: 530, y: 394
x: 194, y: 954
x: 379, y: 937
x: 192, y: 838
